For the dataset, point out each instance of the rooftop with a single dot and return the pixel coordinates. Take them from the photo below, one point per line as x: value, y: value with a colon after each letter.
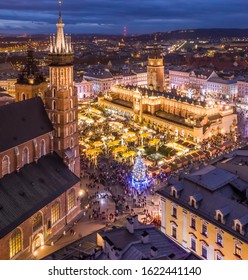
x: 23, y: 121
x: 24, y: 193
x: 133, y: 248
x: 211, y: 178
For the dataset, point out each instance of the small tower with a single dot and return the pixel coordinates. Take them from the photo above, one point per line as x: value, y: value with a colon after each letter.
x: 155, y: 69
x: 31, y: 81
x: 61, y: 98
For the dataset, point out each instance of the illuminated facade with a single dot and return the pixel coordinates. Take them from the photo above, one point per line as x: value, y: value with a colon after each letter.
x: 61, y: 100
x: 155, y: 70
x: 181, y: 116
x: 206, y: 212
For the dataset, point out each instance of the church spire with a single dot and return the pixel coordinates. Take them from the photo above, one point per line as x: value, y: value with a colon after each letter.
x: 60, y: 44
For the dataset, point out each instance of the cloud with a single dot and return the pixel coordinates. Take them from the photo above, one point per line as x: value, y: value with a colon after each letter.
x: 109, y: 16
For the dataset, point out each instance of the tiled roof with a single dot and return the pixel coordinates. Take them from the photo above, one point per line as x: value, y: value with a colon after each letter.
x: 24, y: 193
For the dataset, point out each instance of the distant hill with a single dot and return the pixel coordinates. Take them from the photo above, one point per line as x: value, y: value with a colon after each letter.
x: 208, y: 33
x: 213, y: 33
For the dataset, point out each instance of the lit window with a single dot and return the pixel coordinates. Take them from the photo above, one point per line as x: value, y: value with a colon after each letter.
x: 71, y: 199
x: 15, y: 243
x: 37, y: 222
x: 55, y: 213
x: 237, y: 251
x: 219, y: 240
x: 204, y: 230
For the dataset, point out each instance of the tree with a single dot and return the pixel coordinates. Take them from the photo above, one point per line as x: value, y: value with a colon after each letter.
x: 139, y: 171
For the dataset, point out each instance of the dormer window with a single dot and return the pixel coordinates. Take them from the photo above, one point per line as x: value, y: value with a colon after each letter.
x: 175, y: 191
x: 219, y: 217
x: 221, y: 214
x: 195, y: 199
x: 238, y: 228
x: 240, y: 224
x: 193, y: 203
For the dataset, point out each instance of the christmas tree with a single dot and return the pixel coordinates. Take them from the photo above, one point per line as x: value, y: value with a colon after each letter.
x: 139, y: 179
x: 139, y: 171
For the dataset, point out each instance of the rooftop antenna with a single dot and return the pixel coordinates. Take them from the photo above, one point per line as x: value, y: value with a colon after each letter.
x: 60, y: 8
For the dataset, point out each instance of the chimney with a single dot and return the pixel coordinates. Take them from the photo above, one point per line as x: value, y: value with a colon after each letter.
x: 130, y: 225
x: 154, y: 252
x: 145, y: 237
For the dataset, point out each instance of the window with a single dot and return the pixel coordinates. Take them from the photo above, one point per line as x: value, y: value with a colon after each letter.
x: 42, y: 148
x: 193, y: 204
x: 219, y: 240
x: 72, y: 143
x: 53, y: 105
x: 193, y: 244
x: 204, y: 230
x: 71, y: 103
x: 218, y: 257
x: 71, y: 199
x: 23, y: 96
x: 15, y: 243
x: 53, y: 118
x: 237, y: 251
x: 238, y: 228
x: 55, y: 213
x: 219, y: 217
x: 25, y: 156
x: 37, y: 222
x: 5, y: 165
x: 193, y: 223
x: 53, y: 92
x: 204, y: 252
x: 174, y: 232
x: 71, y: 130
x: 174, y: 212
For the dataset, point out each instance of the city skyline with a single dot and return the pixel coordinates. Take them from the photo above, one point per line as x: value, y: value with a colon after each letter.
x: 109, y: 17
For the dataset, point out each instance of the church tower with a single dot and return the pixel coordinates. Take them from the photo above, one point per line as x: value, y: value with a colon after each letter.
x: 31, y: 82
x: 155, y: 70
x: 61, y: 98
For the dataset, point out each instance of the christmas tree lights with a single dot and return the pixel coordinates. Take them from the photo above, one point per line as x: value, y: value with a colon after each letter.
x: 139, y: 178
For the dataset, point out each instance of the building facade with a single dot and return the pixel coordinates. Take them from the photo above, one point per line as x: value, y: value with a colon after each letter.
x: 242, y: 94
x: 61, y: 99
x: 39, y: 194
x: 155, y: 70
x: 206, y: 213
x: 182, y: 116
